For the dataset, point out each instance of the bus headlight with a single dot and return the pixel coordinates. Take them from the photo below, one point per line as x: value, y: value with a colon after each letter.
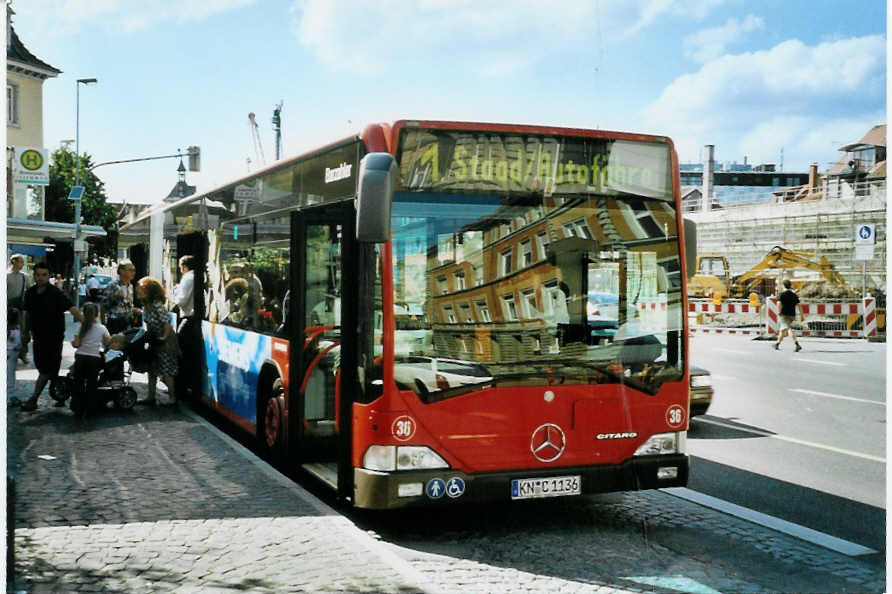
x: 389, y: 458
x: 663, y: 443
x: 418, y: 457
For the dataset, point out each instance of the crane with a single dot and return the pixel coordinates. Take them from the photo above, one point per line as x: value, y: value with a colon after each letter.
x: 255, y: 137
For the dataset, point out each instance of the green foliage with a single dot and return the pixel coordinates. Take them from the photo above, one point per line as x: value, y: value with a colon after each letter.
x: 94, y: 209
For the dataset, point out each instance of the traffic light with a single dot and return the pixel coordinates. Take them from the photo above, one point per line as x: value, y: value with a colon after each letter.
x: 194, y: 158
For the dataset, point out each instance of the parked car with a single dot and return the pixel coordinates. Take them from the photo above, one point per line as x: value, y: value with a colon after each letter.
x: 103, y: 279
x: 431, y: 374
x: 701, y: 390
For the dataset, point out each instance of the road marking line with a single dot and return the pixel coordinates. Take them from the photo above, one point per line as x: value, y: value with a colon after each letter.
x: 793, y: 440
x: 834, y: 363
x: 826, y: 395
x: 750, y: 515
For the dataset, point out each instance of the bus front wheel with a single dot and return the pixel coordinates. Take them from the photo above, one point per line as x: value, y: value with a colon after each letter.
x: 273, y: 428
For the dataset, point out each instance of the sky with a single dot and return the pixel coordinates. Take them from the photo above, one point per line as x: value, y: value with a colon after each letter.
x: 756, y: 78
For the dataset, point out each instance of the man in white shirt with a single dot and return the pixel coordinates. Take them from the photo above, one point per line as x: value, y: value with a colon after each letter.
x: 183, y: 291
x: 188, y: 333
x: 93, y: 288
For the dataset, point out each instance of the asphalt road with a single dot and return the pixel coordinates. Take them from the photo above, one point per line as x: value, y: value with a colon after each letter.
x: 800, y: 436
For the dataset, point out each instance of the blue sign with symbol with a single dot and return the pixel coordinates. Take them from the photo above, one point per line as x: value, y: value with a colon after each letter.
x: 435, y: 488
x: 865, y: 232
x: 455, y: 487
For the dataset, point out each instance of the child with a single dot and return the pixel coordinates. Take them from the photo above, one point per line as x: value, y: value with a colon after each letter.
x: 87, y: 358
x: 13, y: 350
x: 115, y: 347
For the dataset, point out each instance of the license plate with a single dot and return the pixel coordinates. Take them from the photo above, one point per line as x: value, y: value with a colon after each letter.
x: 553, y: 486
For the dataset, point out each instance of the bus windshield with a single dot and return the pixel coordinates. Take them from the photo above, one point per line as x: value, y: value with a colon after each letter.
x: 552, y: 274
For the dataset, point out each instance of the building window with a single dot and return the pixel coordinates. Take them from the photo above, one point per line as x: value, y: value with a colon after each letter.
x: 542, y: 244
x: 12, y: 104
x: 459, y: 281
x: 466, y: 316
x: 505, y: 263
x: 577, y: 228
x: 526, y: 253
x: 449, y: 314
x: 442, y: 286
x: 531, y: 311
x: 509, y: 306
x: 483, y: 311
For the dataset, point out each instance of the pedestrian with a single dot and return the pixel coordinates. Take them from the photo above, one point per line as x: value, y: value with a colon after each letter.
x: 188, y: 331
x: 17, y: 282
x: 119, y: 297
x: 789, y: 305
x: 45, y: 308
x: 162, y: 337
x: 13, y: 347
x: 89, y: 340
x: 93, y: 288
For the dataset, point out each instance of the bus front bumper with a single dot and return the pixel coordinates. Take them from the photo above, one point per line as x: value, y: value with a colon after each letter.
x: 388, y: 490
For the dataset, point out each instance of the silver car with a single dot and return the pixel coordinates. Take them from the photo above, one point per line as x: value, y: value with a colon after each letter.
x: 701, y: 390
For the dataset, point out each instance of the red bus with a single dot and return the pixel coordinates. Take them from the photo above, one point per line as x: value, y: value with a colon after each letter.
x: 435, y: 312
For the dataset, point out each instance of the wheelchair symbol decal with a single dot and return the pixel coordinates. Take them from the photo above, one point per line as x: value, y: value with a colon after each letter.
x: 455, y: 487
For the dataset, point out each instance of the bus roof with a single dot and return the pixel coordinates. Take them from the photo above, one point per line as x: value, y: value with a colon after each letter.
x: 385, y: 135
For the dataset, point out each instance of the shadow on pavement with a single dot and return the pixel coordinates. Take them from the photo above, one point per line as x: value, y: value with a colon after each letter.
x: 705, y: 427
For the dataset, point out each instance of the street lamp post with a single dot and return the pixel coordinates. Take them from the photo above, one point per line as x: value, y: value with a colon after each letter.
x: 77, y: 182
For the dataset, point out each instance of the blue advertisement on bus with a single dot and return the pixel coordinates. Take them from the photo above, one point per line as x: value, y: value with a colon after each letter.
x: 235, y: 358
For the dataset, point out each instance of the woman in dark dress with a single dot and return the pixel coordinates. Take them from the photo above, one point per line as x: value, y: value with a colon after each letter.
x: 162, y: 337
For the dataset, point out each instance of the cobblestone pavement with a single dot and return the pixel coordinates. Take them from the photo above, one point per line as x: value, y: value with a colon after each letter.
x: 642, y: 542
x: 156, y: 500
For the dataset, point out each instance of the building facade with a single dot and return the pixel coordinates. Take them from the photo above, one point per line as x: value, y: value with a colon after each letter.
x: 27, y: 160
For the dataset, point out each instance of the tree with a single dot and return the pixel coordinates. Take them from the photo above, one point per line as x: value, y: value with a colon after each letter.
x: 94, y: 208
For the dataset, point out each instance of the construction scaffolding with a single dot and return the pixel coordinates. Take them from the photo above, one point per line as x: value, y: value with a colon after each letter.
x: 822, y: 221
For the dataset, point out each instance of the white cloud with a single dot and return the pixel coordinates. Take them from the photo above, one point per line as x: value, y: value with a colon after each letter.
x: 708, y: 44
x: 68, y: 17
x: 490, y: 38
x: 755, y: 103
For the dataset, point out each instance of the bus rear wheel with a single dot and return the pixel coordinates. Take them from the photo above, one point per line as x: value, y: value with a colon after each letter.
x: 273, y: 426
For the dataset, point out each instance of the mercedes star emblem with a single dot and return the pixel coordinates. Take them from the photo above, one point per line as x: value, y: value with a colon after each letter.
x: 548, y: 442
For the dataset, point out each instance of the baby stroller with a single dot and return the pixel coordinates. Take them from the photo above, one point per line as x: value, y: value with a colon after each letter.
x: 113, y: 383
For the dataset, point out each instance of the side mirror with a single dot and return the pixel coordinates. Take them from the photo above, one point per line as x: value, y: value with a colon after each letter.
x: 377, y: 177
x: 690, y: 246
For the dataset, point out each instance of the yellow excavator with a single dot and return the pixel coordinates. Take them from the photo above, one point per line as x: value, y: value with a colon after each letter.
x: 713, y: 276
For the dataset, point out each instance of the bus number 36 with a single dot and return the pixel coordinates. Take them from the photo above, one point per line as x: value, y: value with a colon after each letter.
x: 403, y: 428
x: 675, y: 416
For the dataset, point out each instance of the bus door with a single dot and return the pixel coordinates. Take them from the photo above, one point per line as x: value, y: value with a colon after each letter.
x: 323, y: 308
x: 196, y: 245
x: 192, y: 376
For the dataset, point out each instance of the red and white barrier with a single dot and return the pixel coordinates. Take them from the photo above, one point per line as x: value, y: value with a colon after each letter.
x: 865, y: 308
x: 725, y: 307
x: 870, y: 316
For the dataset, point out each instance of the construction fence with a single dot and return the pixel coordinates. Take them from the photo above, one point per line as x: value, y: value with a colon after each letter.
x: 823, y: 224
x: 832, y: 318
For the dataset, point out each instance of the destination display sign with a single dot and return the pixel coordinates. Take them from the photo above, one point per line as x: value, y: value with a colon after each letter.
x: 480, y: 161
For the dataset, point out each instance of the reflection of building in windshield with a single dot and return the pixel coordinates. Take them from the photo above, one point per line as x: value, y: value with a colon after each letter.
x: 518, y: 282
